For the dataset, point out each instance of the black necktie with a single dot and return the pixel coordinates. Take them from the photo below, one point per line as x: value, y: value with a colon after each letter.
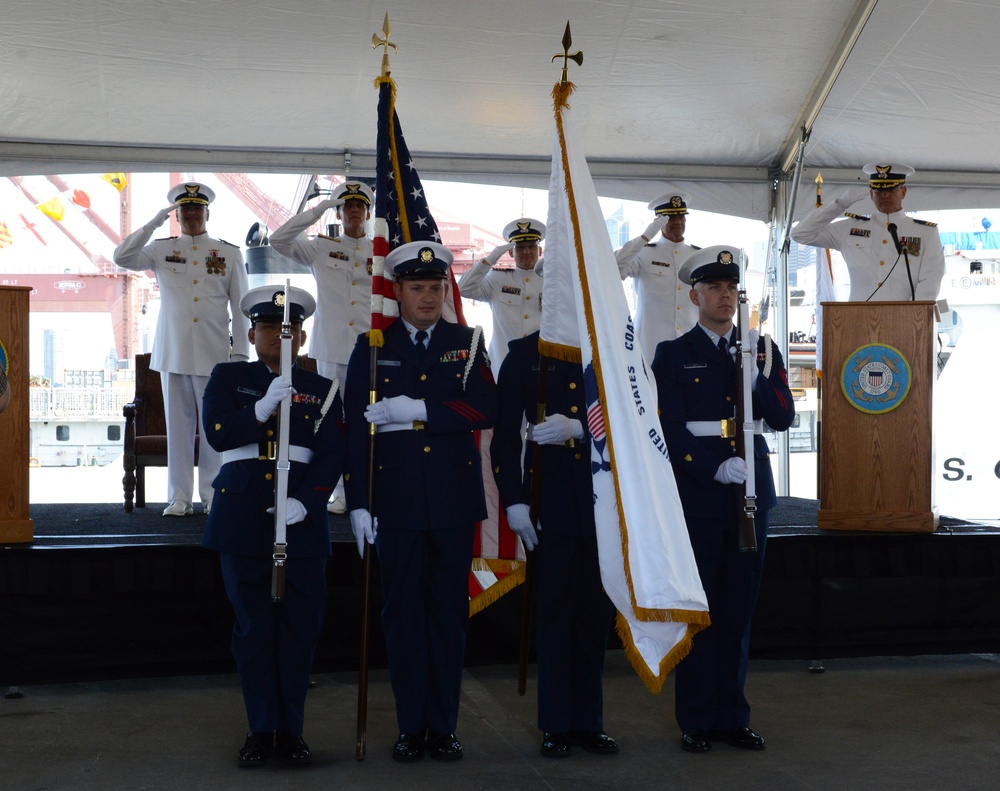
x: 418, y: 341
x: 724, y: 346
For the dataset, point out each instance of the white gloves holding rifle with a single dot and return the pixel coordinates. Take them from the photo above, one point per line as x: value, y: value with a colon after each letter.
x: 398, y: 409
x: 364, y: 527
x: 279, y: 389
x: 732, y: 470
x: 519, y: 519
x: 496, y: 253
x: 655, y: 227
x: 295, y: 512
x: 555, y: 430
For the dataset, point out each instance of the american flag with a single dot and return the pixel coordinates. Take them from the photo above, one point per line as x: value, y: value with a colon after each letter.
x: 409, y: 219
x: 497, y: 565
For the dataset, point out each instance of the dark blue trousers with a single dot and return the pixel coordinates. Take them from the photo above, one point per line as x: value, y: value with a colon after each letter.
x: 274, y: 644
x: 574, y: 616
x: 425, y: 585
x: 710, y: 681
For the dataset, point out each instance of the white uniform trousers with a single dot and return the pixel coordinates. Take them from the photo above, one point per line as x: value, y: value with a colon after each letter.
x: 182, y: 394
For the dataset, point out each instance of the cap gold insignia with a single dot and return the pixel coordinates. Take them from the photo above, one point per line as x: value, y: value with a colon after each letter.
x: 677, y: 201
x: 725, y: 257
x: 524, y: 227
x: 279, y: 299
x: 354, y: 189
x: 426, y: 255
x: 192, y: 190
x: 883, y: 170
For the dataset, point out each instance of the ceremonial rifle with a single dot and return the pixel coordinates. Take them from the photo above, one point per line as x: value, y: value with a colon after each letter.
x: 746, y: 358
x: 281, y: 464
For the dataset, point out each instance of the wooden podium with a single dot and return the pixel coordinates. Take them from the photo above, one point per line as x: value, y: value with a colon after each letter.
x: 15, y: 524
x: 878, y: 383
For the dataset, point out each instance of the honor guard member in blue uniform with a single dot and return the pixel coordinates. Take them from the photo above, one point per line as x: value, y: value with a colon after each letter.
x: 435, y: 388
x: 664, y: 310
x: 877, y: 270
x: 574, y: 613
x: 696, y: 385
x: 342, y: 266
x: 197, y: 276
x: 273, y: 643
x: 514, y: 295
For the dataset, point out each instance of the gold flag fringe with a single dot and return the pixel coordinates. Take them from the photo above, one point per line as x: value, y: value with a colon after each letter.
x: 500, y: 587
x: 654, y: 683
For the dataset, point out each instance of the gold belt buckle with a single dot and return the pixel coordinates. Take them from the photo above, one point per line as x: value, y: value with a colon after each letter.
x: 728, y: 428
x: 272, y: 451
x: 418, y: 425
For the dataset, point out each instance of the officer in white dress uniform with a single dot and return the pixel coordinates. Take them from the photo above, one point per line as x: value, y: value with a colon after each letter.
x: 515, y: 295
x: 342, y: 267
x: 197, y: 276
x: 877, y: 268
x: 664, y: 310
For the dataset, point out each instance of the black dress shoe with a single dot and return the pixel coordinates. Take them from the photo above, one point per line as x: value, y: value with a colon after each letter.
x: 596, y: 742
x: 409, y: 748
x: 255, y: 750
x: 444, y: 746
x: 556, y: 745
x: 695, y: 742
x: 744, y: 738
x: 293, y: 750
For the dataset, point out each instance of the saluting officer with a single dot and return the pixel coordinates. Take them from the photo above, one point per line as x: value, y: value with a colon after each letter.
x: 436, y: 389
x: 342, y: 266
x: 514, y: 295
x: 878, y: 271
x: 197, y: 276
x: 664, y: 310
x: 573, y: 612
x: 696, y: 386
x: 273, y: 644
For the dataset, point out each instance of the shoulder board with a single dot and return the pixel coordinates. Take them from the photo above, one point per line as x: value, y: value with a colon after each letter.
x: 165, y: 238
x: 928, y: 223
x: 862, y: 217
x: 329, y: 238
x: 695, y: 247
x: 229, y: 243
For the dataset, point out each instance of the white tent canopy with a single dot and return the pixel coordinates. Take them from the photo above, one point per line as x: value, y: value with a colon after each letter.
x: 709, y: 96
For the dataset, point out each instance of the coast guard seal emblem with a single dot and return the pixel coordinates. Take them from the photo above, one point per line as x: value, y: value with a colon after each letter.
x: 875, y: 378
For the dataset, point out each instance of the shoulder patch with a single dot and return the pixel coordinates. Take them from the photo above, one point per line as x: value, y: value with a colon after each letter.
x: 928, y: 223
x: 166, y: 238
x: 862, y: 217
x: 329, y: 238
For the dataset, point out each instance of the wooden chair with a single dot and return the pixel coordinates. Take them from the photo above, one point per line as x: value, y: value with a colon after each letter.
x: 146, y: 430
x: 145, y: 433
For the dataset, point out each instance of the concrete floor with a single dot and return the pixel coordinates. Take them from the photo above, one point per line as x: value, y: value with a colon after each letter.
x: 887, y: 723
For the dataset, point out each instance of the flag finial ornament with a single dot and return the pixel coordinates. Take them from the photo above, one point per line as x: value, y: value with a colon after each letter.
x: 384, y: 42
x: 567, y: 56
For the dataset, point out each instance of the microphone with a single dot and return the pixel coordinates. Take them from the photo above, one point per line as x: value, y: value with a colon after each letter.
x: 891, y: 228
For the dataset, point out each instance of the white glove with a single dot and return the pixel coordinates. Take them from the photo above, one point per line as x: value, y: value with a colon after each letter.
x: 852, y: 196
x: 398, y: 409
x: 365, y: 528
x: 279, y: 389
x: 328, y: 203
x: 656, y: 226
x: 732, y: 470
x: 295, y: 512
x: 494, y: 256
x: 555, y: 430
x: 519, y: 519
x: 161, y: 216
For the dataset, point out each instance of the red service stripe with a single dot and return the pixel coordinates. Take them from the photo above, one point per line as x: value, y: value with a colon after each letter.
x: 464, y: 409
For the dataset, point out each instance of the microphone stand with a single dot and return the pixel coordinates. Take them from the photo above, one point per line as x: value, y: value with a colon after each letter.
x: 901, y: 249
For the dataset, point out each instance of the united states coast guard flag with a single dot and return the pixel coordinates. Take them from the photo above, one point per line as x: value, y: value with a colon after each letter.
x: 647, y: 565
x: 402, y: 215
